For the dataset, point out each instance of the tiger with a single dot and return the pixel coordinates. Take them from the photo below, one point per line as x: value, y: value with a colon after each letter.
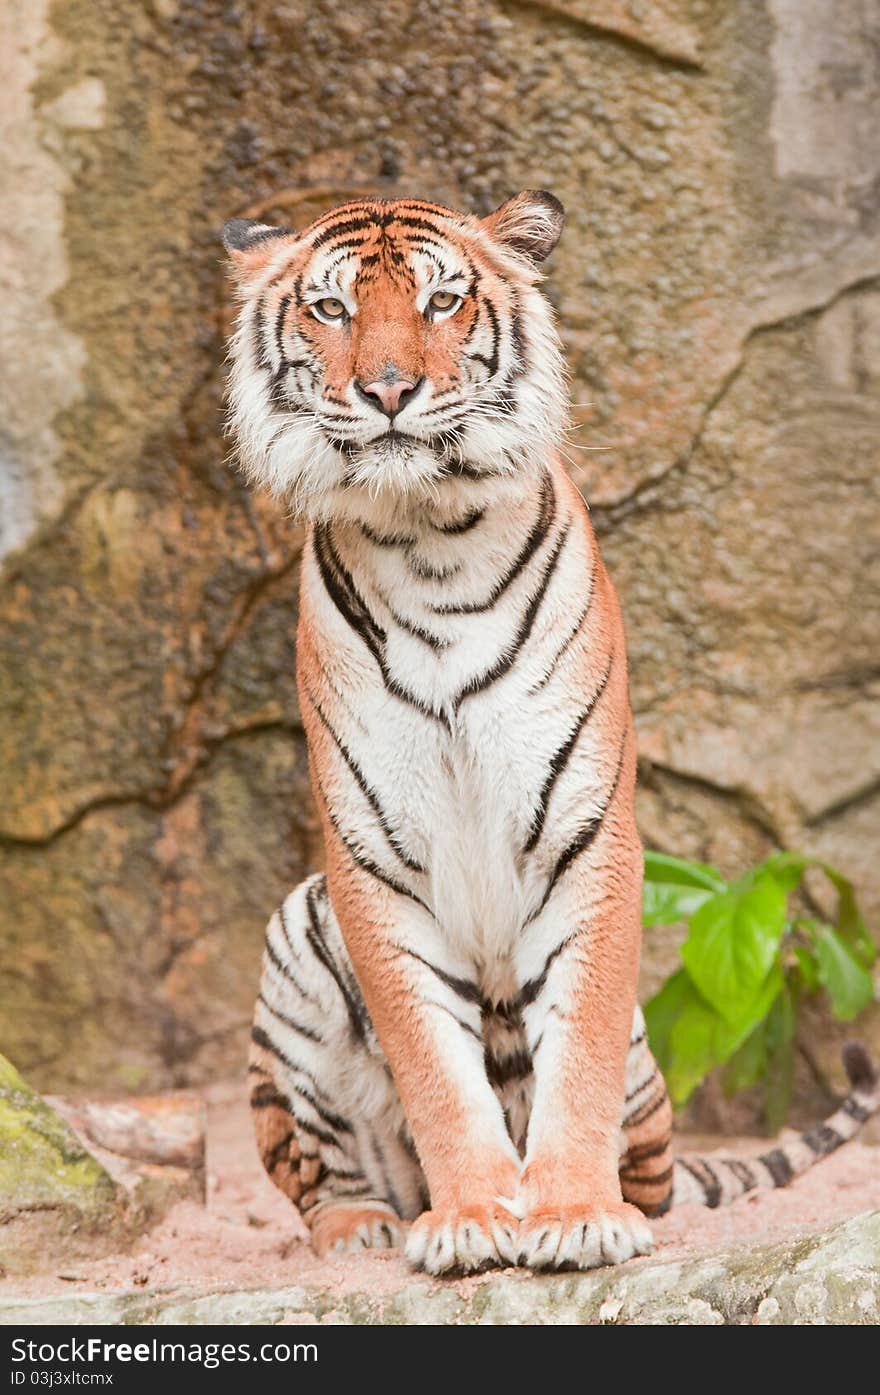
x: 447, y: 1050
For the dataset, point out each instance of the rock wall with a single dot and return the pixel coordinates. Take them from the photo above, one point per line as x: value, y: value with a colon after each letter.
x: 719, y: 287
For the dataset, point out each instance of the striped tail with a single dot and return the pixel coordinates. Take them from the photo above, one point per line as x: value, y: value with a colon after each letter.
x: 717, y: 1180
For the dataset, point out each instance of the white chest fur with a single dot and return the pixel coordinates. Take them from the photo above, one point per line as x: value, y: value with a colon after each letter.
x: 449, y: 689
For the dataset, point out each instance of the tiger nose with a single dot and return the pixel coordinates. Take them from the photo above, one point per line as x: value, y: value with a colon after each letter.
x: 389, y: 396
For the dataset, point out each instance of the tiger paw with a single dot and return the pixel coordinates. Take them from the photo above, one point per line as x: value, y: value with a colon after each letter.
x: 463, y: 1240
x: 583, y: 1237
x: 345, y: 1229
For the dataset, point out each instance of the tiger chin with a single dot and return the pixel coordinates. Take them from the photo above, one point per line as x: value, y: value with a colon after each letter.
x: 447, y: 1051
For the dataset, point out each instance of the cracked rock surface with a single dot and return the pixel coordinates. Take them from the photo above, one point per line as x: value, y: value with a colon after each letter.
x: 719, y: 288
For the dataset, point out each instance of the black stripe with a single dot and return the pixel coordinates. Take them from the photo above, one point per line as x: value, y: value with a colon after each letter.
x: 517, y: 334
x: 585, y: 837
x: 323, y: 1135
x: 300, y: 1070
x: 505, y: 402
x: 391, y: 540
x: 778, y: 1165
x: 279, y: 964
x: 344, y: 594
x: 823, y: 1139
x: 283, y: 307
x: 533, y: 987
x: 639, y: 1088
x: 413, y: 224
x: 646, y: 1110
x: 279, y: 398
x: 288, y: 972
x: 334, y: 1120
x: 277, y: 390
x: 258, y: 335
x: 276, y: 1153
x: 500, y: 1071
x: 284, y: 969
x: 490, y: 363
x: 360, y: 859
x: 742, y: 1172
x: 655, y: 1212
x: 358, y: 223
x: 465, y: 1026
x: 537, y: 535
x: 710, y: 1185
x: 307, y: 1032
x: 560, y: 760
x: 342, y: 591
x: 542, y: 682
x: 464, y: 525
x: 506, y: 660
x: 345, y: 1174
x: 461, y: 986
x: 641, y: 1152
x: 435, y: 642
x: 496, y: 338
x: 572, y: 635
x: 266, y: 1096
x: 366, y: 789
x: 648, y: 1179
x: 347, y: 448
x: 357, y: 1013
x: 426, y: 572
x: 855, y: 1110
x: 466, y: 470
x: 312, y: 1197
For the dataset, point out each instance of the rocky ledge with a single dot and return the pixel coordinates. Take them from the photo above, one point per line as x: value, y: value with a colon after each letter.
x: 832, y: 1277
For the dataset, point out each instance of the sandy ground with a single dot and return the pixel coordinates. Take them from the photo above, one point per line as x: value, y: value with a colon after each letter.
x: 249, y: 1236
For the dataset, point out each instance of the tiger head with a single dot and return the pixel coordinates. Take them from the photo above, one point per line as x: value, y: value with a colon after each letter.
x: 392, y: 347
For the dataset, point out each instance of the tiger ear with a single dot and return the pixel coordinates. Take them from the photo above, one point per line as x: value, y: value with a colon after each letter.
x: 530, y: 223
x: 250, y: 244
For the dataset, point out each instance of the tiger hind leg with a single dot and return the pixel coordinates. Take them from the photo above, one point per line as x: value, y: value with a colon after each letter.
x: 328, y: 1120
x: 646, y: 1162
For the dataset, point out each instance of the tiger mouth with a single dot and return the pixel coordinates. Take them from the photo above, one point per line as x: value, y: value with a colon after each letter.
x: 390, y: 438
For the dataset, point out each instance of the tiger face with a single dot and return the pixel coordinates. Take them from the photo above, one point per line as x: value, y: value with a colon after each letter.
x: 393, y: 346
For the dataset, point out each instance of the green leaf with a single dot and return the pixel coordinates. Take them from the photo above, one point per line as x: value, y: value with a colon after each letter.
x: 850, y: 923
x: 780, y: 1021
x: 664, y: 905
x: 689, y: 1038
x: 732, y: 946
x: 808, y: 968
x: 674, y: 871
x: 662, y: 1011
x: 747, y: 1065
x: 693, y: 1048
x: 787, y: 867
x: 779, y: 1031
x: 849, y: 985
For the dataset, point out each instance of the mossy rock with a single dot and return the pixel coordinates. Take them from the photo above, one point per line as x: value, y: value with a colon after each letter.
x: 54, y: 1196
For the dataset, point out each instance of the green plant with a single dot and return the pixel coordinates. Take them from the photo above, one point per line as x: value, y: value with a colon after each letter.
x: 748, y: 963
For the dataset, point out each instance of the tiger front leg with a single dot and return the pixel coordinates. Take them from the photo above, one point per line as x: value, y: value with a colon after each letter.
x: 427, y: 1014
x: 579, y: 974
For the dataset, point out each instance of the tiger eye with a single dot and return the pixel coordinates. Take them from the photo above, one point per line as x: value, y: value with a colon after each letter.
x: 443, y: 300
x: 330, y: 308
